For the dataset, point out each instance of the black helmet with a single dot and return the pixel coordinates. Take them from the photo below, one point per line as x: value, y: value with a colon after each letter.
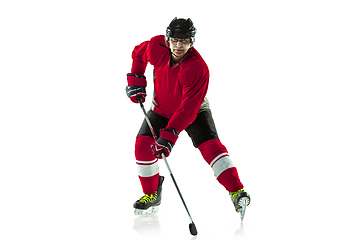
x: 181, y: 28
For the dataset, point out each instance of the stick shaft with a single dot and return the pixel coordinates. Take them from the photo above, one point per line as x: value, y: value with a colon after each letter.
x: 147, y: 119
x: 163, y: 156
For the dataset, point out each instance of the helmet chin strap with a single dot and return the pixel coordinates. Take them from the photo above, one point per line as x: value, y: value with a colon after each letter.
x: 171, y: 53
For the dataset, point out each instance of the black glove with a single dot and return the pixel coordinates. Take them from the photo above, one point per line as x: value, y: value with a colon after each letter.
x: 165, y: 143
x: 133, y: 92
x: 136, y: 87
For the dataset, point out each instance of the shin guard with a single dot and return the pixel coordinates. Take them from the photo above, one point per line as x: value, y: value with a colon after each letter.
x: 147, y: 164
x: 216, y: 155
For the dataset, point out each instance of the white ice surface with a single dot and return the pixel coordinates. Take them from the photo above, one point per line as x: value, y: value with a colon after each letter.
x: 284, y: 90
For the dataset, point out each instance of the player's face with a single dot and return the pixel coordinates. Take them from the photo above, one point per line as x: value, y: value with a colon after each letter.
x: 179, y: 47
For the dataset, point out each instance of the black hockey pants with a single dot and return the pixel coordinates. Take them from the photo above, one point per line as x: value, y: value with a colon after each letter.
x: 200, y: 131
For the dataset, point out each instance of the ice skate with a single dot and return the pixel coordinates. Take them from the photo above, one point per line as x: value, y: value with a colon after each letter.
x: 240, y: 200
x: 149, y: 203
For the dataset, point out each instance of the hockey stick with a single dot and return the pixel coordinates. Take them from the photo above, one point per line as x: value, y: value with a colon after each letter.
x: 192, y: 227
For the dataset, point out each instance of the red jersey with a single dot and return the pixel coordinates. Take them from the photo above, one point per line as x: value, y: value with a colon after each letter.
x: 179, y: 90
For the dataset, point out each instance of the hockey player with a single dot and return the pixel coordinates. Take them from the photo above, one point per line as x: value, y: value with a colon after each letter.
x: 181, y: 79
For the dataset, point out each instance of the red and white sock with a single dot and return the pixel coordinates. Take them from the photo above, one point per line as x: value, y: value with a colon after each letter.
x: 147, y: 164
x: 216, y: 155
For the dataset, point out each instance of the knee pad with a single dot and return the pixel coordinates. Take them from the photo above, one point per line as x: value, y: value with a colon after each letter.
x: 143, y: 150
x: 211, y: 149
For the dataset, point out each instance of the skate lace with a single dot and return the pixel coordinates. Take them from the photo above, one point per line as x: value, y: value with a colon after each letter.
x: 233, y: 194
x: 148, y: 197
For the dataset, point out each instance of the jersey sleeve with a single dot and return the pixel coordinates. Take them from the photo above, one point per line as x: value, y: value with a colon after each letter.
x: 194, y: 89
x: 141, y: 57
x: 148, y: 52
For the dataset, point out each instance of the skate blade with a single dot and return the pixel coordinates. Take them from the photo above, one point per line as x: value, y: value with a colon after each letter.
x: 150, y: 210
x: 243, y: 204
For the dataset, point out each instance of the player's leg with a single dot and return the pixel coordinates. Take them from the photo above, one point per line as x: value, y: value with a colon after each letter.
x: 147, y: 165
x: 217, y: 156
x: 204, y: 136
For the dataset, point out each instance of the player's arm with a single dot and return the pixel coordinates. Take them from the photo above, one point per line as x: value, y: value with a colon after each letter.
x: 136, y: 79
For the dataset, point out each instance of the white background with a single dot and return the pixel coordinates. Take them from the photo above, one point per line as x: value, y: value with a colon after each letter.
x: 284, y: 91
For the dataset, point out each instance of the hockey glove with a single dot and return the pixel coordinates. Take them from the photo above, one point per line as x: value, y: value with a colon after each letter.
x: 165, y: 143
x: 136, y: 87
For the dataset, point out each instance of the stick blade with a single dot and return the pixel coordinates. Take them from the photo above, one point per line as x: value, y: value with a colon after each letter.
x: 192, y: 229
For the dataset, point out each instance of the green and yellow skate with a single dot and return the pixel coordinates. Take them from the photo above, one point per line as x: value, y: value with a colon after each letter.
x: 149, y: 203
x: 240, y: 200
